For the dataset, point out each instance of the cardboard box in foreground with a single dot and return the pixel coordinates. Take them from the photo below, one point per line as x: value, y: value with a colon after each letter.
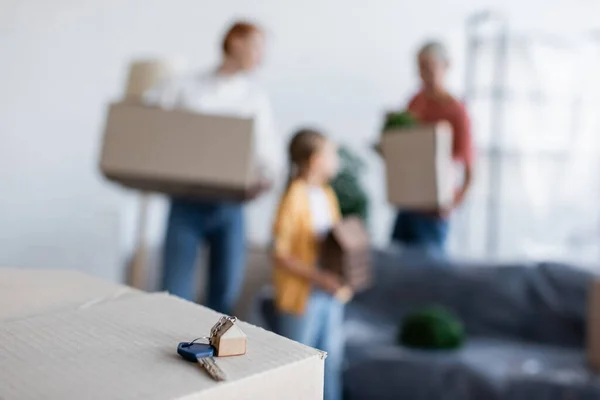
x: 29, y: 292
x: 125, y: 348
x: 419, y: 167
x: 180, y: 153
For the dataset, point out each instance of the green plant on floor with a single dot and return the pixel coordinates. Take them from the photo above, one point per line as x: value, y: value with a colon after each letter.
x: 432, y: 328
x: 347, y: 186
x: 399, y: 120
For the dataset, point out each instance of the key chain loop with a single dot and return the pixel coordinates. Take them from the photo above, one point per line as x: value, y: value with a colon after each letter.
x: 196, y: 341
x: 222, y: 321
x: 214, y: 330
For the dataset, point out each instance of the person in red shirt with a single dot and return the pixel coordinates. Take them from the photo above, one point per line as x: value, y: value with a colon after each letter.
x: 433, y: 103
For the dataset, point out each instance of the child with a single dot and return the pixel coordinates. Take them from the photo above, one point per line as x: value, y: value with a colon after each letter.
x: 309, y: 300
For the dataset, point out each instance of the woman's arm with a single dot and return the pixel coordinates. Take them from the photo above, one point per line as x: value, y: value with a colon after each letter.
x: 463, y: 149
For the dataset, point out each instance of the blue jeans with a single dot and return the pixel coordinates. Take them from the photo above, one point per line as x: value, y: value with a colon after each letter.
x: 221, y: 226
x: 420, y: 230
x: 320, y: 326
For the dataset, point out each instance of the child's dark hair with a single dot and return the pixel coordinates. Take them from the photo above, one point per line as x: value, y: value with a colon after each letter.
x: 303, y: 145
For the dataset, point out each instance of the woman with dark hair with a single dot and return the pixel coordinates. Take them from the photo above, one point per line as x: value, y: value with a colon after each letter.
x: 433, y: 103
x: 227, y: 90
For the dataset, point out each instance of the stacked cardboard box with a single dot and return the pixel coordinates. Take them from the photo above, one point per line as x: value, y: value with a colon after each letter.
x: 69, y: 336
x: 346, y: 251
x: 146, y: 74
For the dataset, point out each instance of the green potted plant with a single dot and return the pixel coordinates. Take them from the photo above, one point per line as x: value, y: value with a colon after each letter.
x: 434, y: 328
x: 400, y: 120
x: 394, y: 122
x: 351, y: 195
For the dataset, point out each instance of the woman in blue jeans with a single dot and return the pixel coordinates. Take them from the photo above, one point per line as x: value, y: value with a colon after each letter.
x: 228, y: 90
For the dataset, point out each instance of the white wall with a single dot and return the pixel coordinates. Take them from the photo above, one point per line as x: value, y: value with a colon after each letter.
x: 333, y: 63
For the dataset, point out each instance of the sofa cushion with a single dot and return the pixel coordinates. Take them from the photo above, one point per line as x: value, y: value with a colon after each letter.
x: 533, y: 302
x: 485, y: 368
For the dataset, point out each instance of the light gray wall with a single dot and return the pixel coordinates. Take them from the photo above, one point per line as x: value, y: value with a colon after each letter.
x: 334, y: 63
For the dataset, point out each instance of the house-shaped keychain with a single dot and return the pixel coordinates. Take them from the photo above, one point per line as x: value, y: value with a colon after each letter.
x: 228, y: 339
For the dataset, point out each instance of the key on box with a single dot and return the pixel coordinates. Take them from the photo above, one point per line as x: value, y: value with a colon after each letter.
x: 203, y: 354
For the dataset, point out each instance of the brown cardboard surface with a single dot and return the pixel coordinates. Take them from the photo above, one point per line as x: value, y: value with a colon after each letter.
x: 126, y: 349
x: 593, y: 325
x: 346, y: 251
x: 419, y: 167
x: 177, y: 151
x: 26, y: 292
x: 187, y: 190
x: 145, y: 74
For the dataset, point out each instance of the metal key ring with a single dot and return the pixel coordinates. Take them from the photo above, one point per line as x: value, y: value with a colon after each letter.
x: 196, y: 340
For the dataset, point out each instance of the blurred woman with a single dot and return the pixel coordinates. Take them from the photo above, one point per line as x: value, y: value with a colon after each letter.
x: 429, y: 228
x: 226, y: 90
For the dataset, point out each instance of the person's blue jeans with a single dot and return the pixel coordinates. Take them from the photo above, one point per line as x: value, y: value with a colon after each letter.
x: 421, y: 230
x: 221, y: 226
x: 320, y: 326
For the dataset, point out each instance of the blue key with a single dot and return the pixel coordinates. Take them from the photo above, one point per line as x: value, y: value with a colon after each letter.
x: 203, y: 354
x: 193, y: 351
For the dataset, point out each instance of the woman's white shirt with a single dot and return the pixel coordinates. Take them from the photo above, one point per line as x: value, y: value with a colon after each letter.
x: 234, y: 95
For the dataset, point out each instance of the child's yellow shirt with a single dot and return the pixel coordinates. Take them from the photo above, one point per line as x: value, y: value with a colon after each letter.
x: 294, y: 237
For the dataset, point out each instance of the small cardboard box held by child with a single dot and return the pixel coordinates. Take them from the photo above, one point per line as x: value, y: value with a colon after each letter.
x: 346, y: 251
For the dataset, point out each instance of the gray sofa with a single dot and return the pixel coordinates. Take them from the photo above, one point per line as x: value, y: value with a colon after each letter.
x: 525, y: 327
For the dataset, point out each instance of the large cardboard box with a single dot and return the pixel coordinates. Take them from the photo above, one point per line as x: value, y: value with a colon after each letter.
x: 180, y: 153
x: 419, y: 168
x: 29, y: 292
x: 125, y: 347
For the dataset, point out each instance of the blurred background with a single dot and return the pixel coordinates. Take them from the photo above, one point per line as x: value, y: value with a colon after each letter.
x: 527, y: 70
x: 528, y: 73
